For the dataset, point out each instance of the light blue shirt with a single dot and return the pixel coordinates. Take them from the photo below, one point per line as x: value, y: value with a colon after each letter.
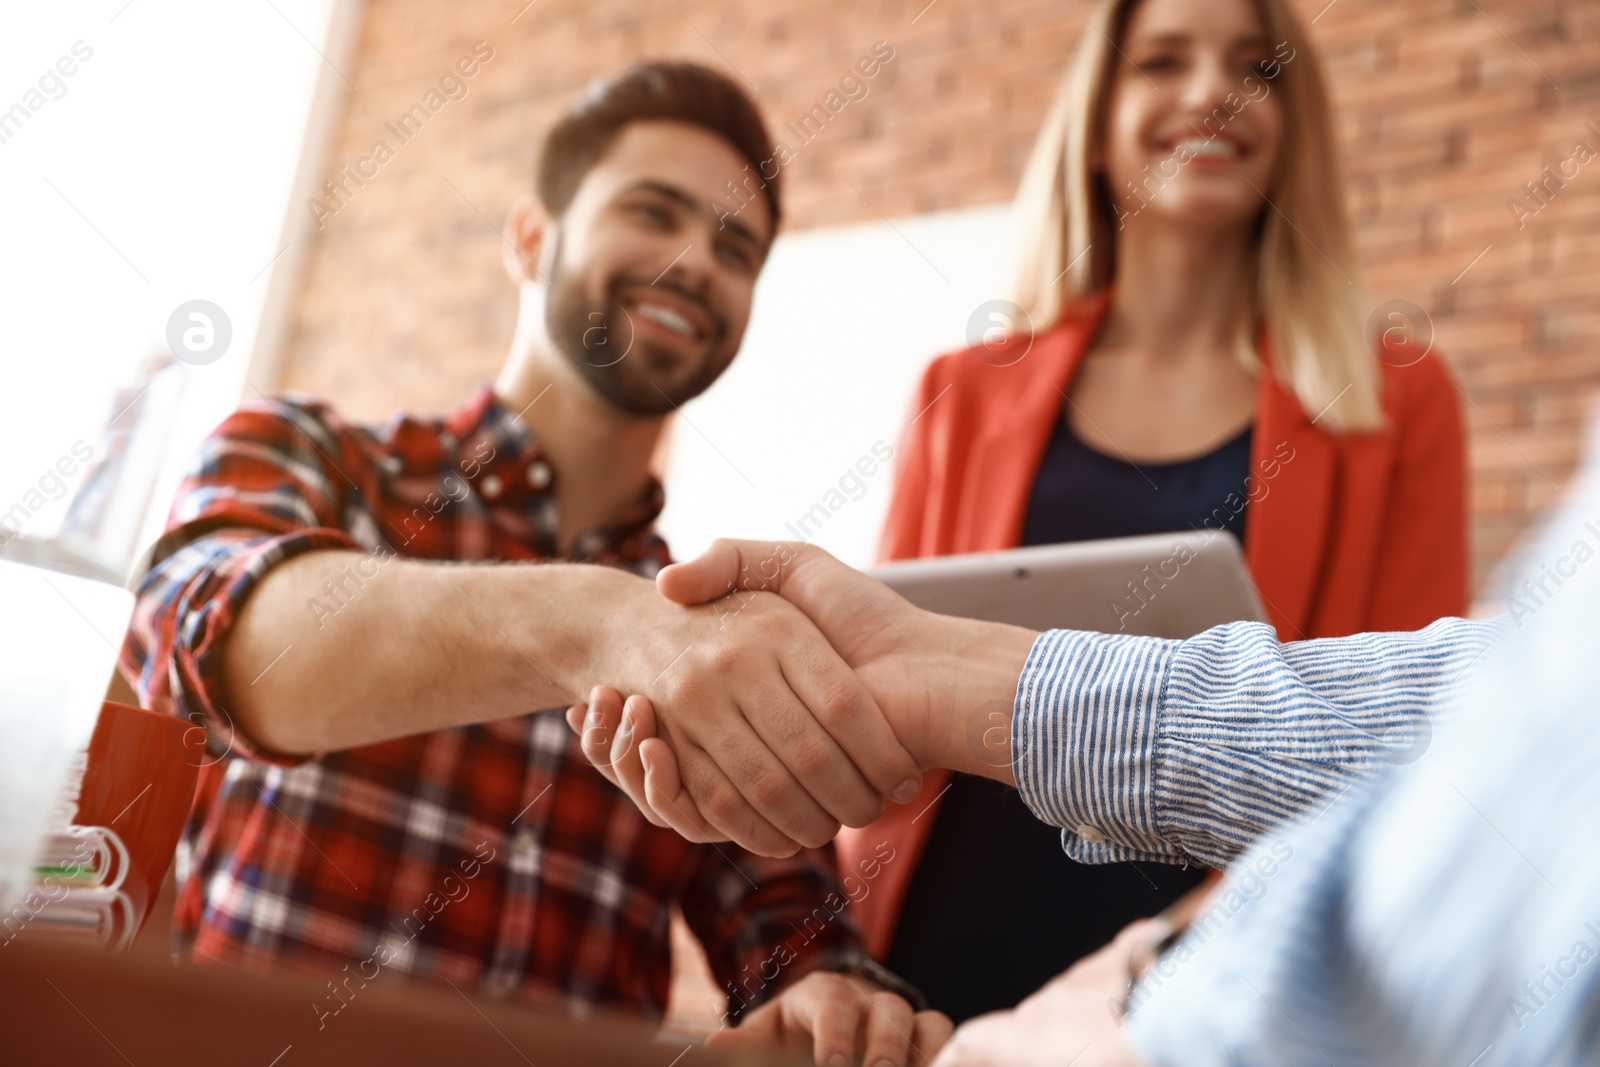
x: 1412, y: 821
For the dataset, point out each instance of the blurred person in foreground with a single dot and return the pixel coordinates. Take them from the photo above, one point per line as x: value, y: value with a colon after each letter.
x: 1408, y: 818
x: 363, y: 617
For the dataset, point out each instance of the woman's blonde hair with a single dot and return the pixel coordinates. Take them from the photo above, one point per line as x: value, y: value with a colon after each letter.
x: 1305, y: 266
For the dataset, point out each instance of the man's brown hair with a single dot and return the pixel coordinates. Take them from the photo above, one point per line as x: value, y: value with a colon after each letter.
x: 659, y: 90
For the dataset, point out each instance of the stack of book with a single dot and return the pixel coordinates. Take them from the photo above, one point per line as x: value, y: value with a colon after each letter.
x: 111, y: 838
x: 82, y: 892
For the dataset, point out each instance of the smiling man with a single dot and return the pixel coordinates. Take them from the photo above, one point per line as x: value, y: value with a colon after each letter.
x: 387, y: 801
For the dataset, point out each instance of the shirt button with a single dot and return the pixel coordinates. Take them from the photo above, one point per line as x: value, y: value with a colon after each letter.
x: 539, y: 474
x: 490, y: 486
x: 1091, y: 834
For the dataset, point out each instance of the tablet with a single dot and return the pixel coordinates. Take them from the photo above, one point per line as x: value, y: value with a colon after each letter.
x: 1158, y: 585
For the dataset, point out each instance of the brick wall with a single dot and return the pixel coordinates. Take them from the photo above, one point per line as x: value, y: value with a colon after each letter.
x: 1448, y: 107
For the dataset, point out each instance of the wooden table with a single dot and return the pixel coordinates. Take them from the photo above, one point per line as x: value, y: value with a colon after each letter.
x: 63, y: 1006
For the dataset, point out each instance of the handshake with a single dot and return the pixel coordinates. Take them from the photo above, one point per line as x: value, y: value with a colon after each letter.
x: 807, y: 696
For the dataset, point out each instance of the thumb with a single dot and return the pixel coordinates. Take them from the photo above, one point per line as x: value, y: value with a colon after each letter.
x: 1127, y: 955
x: 851, y: 609
x: 729, y: 565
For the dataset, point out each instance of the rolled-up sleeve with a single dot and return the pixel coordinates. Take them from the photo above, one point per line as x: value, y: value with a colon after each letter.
x: 265, y: 489
x: 1180, y: 751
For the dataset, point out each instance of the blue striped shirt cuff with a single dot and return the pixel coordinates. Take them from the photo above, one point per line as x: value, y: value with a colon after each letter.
x: 1084, y: 743
x: 1146, y: 749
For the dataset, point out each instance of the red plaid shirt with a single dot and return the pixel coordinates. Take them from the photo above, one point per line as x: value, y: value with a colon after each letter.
x: 491, y: 854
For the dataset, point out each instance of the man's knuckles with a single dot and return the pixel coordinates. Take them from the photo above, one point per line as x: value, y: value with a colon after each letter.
x: 838, y: 700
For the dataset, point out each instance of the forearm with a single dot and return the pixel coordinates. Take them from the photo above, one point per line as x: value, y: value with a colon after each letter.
x: 327, y: 655
x: 970, y: 670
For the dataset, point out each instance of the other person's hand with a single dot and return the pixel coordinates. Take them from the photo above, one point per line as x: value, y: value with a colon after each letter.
x: 1076, y: 1018
x: 841, y: 1019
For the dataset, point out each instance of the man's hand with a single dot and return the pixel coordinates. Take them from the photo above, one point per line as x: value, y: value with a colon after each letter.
x: 1077, y: 1018
x: 936, y: 679
x: 619, y: 738
x: 842, y: 1020
x: 771, y: 733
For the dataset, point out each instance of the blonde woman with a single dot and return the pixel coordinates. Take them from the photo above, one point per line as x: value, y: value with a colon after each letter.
x: 1197, y: 358
x: 1192, y: 355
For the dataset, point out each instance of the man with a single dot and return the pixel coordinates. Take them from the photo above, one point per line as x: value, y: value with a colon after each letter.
x: 389, y: 803
x: 1400, y: 892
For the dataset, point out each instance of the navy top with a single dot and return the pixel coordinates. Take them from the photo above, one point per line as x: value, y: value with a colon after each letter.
x: 996, y: 909
x: 1081, y: 494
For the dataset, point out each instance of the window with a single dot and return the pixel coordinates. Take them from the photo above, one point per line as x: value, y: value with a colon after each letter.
x: 150, y: 153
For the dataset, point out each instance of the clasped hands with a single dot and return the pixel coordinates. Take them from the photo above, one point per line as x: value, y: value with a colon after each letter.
x: 842, y: 693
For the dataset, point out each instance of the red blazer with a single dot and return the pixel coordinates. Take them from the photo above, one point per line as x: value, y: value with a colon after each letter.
x: 1351, y: 533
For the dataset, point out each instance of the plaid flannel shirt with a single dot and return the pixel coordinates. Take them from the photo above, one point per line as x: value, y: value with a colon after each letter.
x: 491, y: 854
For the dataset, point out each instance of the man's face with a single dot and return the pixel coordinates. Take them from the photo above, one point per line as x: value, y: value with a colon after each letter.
x: 649, y: 294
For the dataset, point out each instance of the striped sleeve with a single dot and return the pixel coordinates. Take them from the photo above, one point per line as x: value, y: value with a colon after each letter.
x: 1188, y: 751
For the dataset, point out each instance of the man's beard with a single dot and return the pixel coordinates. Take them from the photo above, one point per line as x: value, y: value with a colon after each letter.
x: 598, y: 339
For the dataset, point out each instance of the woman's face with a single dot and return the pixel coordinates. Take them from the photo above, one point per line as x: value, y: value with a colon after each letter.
x: 1194, y: 122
